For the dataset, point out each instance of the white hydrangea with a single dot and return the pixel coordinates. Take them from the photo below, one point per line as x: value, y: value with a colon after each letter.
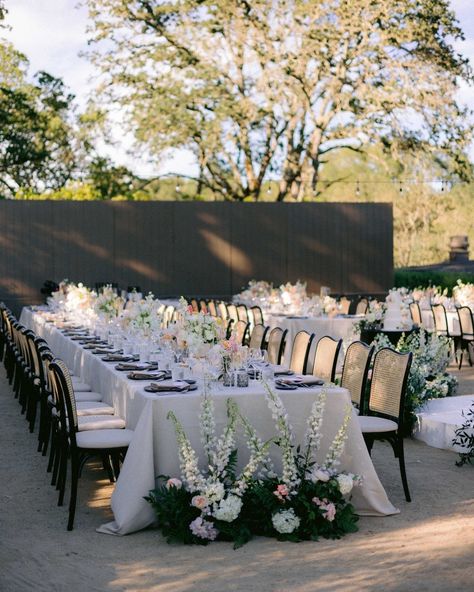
x: 214, y: 491
x: 228, y: 509
x: 286, y: 521
x: 345, y: 483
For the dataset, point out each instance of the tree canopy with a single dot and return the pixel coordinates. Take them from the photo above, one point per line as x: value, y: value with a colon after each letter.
x: 268, y: 89
x: 36, y: 130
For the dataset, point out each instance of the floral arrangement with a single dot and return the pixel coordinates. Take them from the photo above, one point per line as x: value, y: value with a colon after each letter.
x: 293, y: 295
x: 108, y: 305
x: 255, y: 292
x: 428, y: 378
x: 464, y: 438
x: 308, y: 500
x: 463, y: 294
x: 143, y: 315
x: 196, y: 331
x: 373, y: 317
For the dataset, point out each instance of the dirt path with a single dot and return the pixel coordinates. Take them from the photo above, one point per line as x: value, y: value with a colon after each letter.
x: 429, y: 546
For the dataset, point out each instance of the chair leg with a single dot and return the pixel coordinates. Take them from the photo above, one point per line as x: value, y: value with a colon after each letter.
x: 401, y: 460
x: 369, y: 442
x: 460, y: 359
x: 74, y: 483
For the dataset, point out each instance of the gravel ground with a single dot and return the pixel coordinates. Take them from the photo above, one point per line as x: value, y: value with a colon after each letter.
x: 428, y: 546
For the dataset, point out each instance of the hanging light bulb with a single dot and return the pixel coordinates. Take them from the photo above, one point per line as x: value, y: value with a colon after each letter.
x: 357, y: 188
x: 401, y: 187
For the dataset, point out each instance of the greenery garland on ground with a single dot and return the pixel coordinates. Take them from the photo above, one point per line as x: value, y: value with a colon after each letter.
x: 308, y: 501
x: 464, y: 439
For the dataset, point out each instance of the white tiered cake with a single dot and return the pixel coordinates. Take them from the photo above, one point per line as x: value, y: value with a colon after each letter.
x: 397, y: 314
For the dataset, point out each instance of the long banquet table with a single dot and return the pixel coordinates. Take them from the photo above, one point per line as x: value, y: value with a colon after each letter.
x: 153, y: 448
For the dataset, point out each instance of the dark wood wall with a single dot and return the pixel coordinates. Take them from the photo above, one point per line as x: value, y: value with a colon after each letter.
x: 194, y: 248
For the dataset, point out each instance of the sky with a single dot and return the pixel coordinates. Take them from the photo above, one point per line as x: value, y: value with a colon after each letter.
x: 52, y: 34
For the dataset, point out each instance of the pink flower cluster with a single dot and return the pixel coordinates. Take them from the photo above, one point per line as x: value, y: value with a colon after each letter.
x: 281, y: 492
x: 328, y: 508
x: 203, y: 529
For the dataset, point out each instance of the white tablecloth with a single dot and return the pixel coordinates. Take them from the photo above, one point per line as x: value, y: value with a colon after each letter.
x: 153, y: 449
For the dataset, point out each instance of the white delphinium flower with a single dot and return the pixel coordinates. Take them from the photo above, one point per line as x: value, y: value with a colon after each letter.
x: 337, y: 447
x: 228, y: 509
x: 313, y: 433
x: 187, y: 457
x: 285, y: 440
x: 258, y: 455
x: 226, y: 443
x: 285, y: 521
x: 213, y: 491
x: 207, y: 424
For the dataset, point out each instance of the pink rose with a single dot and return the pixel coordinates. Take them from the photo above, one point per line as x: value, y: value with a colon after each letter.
x: 200, y: 502
x: 330, y: 511
x: 174, y: 483
x: 281, y: 492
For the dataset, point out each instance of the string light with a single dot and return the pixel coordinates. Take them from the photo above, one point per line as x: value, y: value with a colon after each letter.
x: 357, y: 188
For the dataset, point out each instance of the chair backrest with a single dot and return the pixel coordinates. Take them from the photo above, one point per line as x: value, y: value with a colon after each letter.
x: 212, y: 309
x: 222, y: 310
x: 440, y: 319
x: 344, y: 304
x: 355, y: 371
x: 257, y: 315
x: 325, y: 358
x: 242, y: 313
x: 232, y: 312
x: 362, y: 306
x: 203, y: 306
x: 416, y: 314
x: 63, y: 395
x: 257, y: 337
x: 466, y: 322
x: 276, y: 345
x: 300, y: 351
x: 194, y: 304
x: 239, y: 329
x: 388, y: 384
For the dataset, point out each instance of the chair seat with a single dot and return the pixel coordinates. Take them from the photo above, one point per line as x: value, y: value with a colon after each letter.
x: 104, y: 438
x: 93, y: 408
x: 79, y: 386
x: 100, y: 422
x: 88, y: 396
x: 370, y: 424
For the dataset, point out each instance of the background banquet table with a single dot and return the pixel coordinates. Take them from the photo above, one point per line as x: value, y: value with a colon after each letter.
x: 153, y: 449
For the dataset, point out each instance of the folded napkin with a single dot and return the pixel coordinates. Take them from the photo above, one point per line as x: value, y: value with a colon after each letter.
x: 170, y: 387
x: 139, y: 366
x: 302, y: 380
x: 160, y: 375
x: 105, y: 350
x: 117, y: 358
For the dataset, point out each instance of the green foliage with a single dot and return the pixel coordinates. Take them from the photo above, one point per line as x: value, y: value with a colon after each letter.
x: 260, y: 504
x: 412, y: 279
x: 37, y: 149
x: 464, y: 438
x: 223, y: 81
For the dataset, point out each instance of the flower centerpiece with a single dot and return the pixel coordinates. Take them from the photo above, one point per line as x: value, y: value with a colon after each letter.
x: 143, y: 315
x: 308, y: 500
x: 463, y: 294
x: 108, y: 305
x: 196, y: 331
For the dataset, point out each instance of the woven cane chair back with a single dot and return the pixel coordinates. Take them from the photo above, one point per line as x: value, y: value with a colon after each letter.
x: 300, y: 351
x: 389, y: 377
x: 355, y: 370
x: 325, y: 358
